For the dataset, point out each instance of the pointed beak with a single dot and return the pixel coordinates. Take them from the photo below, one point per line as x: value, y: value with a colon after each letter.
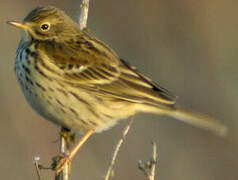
x: 17, y: 24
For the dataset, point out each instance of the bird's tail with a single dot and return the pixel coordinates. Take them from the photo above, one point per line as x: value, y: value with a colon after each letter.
x: 196, y: 119
x: 199, y: 120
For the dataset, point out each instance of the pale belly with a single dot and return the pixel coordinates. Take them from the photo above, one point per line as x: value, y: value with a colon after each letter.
x: 73, y: 108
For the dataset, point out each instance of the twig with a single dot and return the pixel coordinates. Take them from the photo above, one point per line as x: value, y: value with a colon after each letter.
x: 148, y: 168
x: 155, y: 155
x: 36, y: 160
x: 63, y: 149
x: 82, y: 24
x: 84, y: 14
x: 64, y: 175
x: 109, y: 174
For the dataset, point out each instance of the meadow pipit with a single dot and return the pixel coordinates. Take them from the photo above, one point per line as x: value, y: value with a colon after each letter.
x: 78, y: 82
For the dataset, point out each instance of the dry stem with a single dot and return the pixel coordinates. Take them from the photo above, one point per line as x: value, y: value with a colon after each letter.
x: 82, y: 24
x: 152, y: 172
x: 84, y: 14
x: 64, y: 175
x: 36, y: 163
x: 148, y: 168
x: 109, y: 174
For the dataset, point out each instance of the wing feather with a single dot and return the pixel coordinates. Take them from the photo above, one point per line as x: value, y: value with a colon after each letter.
x: 95, y: 66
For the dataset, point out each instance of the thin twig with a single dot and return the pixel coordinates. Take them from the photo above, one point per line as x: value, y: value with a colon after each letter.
x: 36, y: 163
x: 155, y: 155
x: 148, y: 168
x: 63, y: 150
x: 84, y: 14
x: 109, y: 174
x: 64, y: 175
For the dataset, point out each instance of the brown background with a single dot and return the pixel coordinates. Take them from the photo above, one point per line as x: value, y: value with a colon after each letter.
x: 188, y: 46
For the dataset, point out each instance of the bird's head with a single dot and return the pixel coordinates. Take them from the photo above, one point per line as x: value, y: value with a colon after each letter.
x: 47, y: 23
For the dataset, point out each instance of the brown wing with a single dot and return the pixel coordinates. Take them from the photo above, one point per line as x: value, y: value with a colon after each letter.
x: 89, y: 63
x: 82, y: 61
x: 133, y: 86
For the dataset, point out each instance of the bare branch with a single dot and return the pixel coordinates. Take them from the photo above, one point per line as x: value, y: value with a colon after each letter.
x: 36, y: 163
x: 63, y: 150
x: 155, y: 155
x: 148, y: 168
x: 84, y: 14
x: 110, y: 173
x: 64, y: 175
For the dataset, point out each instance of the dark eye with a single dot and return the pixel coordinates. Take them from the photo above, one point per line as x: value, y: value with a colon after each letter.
x: 45, y: 27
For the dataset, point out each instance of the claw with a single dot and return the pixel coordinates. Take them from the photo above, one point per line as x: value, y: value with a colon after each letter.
x: 59, y: 163
x: 65, y: 161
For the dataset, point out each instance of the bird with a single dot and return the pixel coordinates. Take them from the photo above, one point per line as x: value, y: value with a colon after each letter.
x: 73, y: 79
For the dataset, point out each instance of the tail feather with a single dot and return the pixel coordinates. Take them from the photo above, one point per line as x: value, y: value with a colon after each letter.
x: 199, y: 120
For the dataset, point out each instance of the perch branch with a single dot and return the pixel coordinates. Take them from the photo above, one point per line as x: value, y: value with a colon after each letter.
x: 84, y: 14
x: 82, y: 24
x: 64, y: 175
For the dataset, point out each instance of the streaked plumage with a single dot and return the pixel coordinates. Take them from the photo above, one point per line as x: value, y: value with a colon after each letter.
x: 77, y: 81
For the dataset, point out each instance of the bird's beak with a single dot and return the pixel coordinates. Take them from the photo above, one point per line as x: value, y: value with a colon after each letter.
x: 17, y: 24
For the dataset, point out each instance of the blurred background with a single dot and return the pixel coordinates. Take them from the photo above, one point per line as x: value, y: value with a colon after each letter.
x: 187, y: 46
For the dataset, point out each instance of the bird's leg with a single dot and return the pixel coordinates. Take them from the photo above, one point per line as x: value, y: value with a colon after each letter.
x: 66, y: 159
x: 68, y: 136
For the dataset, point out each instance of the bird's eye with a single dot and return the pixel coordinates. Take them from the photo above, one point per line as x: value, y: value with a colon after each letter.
x: 45, y: 26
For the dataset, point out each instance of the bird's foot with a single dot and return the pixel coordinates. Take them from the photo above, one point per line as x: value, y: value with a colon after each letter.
x: 59, y: 163
x: 68, y: 136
